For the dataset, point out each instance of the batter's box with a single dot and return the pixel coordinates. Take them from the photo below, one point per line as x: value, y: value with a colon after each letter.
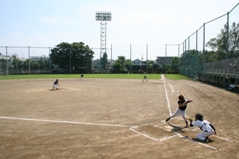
x: 153, y: 132
x: 220, y: 142
x: 215, y: 142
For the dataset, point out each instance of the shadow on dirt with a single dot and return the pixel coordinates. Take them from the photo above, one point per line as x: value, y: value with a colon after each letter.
x: 178, y: 129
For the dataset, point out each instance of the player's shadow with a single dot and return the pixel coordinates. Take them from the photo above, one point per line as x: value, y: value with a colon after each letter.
x: 177, y: 128
x: 197, y: 140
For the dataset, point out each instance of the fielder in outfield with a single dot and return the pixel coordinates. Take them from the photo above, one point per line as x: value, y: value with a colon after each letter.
x: 55, y: 84
x: 182, y: 106
x: 145, y: 78
x: 206, y: 127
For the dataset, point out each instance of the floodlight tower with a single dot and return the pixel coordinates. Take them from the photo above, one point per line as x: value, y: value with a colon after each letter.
x: 103, y: 17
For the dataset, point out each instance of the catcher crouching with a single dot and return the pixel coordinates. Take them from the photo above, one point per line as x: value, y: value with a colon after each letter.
x: 206, y: 127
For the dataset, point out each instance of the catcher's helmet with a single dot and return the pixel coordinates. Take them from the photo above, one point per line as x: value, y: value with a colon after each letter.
x: 199, y: 116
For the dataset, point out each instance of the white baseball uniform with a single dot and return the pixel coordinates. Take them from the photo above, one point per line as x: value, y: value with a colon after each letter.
x: 207, y: 130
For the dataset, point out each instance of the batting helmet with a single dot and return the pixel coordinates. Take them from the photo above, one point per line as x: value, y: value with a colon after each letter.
x: 199, y: 116
x: 181, y: 97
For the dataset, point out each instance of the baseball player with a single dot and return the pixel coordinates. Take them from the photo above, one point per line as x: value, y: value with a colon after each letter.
x: 206, y: 127
x: 81, y: 76
x: 145, y: 78
x: 55, y: 84
x: 182, y: 105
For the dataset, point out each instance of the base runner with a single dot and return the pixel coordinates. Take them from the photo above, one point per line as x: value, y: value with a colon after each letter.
x: 145, y: 78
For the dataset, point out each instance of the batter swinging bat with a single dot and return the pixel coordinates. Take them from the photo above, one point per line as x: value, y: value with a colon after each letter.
x: 181, y: 92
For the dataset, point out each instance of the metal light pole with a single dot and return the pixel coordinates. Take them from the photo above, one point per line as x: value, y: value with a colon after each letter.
x: 166, y: 46
x: 70, y: 61
x: 6, y: 63
x: 103, y: 17
x: 130, y: 58
x: 29, y: 64
x: 146, y: 58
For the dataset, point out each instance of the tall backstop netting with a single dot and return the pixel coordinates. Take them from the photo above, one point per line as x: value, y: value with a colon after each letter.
x: 211, y: 53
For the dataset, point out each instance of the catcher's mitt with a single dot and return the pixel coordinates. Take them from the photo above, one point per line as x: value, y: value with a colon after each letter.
x: 191, y: 122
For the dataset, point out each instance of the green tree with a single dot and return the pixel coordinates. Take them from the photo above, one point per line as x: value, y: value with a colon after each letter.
x: 2, y: 65
x: 174, y: 64
x: 169, y: 68
x: 73, y: 56
x: 119, y: 65
x: 219, y: 44
x: 16, y: 63
x: 150, y: 68
x: 151, y: 62
x: 60, y: 55
x: 127, y: 65
x: 35, y: 65
x: 19, y: 65
x: 41, y: 64
x: 234, y: 40
x: 104, y: 61
x: 25, y: 64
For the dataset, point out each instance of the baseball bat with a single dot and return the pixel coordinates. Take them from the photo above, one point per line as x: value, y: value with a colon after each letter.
x: 185, y: 96
x: 182, y: 94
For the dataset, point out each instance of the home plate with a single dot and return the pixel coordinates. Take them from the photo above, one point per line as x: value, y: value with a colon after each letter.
x: 153, y: 132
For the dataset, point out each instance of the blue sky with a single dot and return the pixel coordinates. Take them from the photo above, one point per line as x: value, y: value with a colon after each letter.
x: 46, y: 23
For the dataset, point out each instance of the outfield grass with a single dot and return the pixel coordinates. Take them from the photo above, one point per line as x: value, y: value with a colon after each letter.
x: 177, y: 77
x: 55, y: 76
x: 119, y: 76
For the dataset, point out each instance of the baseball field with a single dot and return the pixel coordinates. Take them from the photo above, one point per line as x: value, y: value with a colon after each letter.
x: 103, y: 118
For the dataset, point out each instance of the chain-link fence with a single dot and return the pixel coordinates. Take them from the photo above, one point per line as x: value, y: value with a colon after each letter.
x: 32, y: 60
x: 24, y: 60
x: 197, y: 49
x: 211, y: 53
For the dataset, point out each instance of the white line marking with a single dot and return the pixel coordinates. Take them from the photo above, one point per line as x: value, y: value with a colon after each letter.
x: 179, y: 135
x: 143, y: 134
x: 163, y: 121
x: 171, y: 87
x: 162, y: 128
x: 59, y: 121
x: 223, y: 138
x: 193, y: 86
x: 167, y: 138
x: 166, y: 130
x: 166, y: 94
x: 195, y: 129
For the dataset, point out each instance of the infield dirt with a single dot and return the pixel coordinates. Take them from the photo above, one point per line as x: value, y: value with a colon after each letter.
x: 113, y: 118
